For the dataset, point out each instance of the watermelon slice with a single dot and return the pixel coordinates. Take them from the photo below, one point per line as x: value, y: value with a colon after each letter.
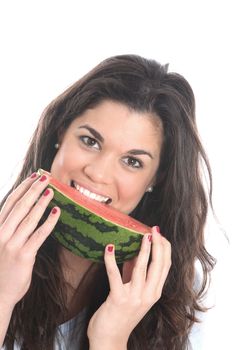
x: 86, y: 226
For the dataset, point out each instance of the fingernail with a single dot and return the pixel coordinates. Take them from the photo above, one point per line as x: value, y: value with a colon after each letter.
x: 33, y: 175
x: 54, y: 211
x: 46, y: 192
x: 110, y: 248
x: 43, y: 178
x: 150, y: 238
x: 157, y: 229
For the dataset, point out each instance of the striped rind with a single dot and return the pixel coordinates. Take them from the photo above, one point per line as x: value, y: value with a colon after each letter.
x: 107, y: 212
x: 85, y: 226
x: 86, y: 234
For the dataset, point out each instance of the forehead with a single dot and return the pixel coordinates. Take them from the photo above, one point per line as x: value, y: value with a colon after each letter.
x: 117, y: 121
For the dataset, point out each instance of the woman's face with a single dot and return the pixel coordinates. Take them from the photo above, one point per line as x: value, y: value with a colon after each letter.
x: 110, y: 153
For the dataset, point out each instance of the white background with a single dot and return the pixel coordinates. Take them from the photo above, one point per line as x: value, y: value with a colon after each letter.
x: 47, y: 45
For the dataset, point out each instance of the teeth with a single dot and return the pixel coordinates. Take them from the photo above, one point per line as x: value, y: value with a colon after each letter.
x: 87, y: 193
x: 91, y: 195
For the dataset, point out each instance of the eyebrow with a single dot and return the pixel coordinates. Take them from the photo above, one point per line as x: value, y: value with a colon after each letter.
x: 136, y: 152
x: 99, y: 137
x: 94, y: 132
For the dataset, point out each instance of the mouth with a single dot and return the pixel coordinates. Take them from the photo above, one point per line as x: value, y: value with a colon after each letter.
x: 89, y: 194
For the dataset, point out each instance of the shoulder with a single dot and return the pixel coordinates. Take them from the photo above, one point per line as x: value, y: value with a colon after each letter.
x: 215, y: 329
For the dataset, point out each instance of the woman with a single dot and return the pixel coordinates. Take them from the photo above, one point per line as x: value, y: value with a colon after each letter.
x: 126, y: 134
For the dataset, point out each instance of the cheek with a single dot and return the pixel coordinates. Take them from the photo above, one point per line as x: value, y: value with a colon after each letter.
x: 59, y: 162
x: 130, y: 194
x: 65, y: 159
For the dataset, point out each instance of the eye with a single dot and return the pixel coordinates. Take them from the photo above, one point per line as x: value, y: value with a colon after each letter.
x: 133, y: 162
x: 89, y: 142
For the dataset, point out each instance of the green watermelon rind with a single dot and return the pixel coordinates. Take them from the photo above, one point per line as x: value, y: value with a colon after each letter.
x: 117, y: 235
x: 100, y: 217
x: 86, y: 234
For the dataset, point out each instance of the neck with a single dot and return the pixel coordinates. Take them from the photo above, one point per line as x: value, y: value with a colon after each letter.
x: 74, y: 267
x: 74, y: 270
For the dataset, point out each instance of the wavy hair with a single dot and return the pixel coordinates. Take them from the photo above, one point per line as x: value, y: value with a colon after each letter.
x: 178, y: 204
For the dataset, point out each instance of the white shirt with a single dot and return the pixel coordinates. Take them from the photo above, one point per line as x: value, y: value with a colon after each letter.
x: 216, y: 329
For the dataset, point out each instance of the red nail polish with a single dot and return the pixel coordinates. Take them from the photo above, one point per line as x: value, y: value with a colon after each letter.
x: 110, y: 248
x: 150, y: 238
x: 43, y: 178
x: 46, y: 192
x: 54, y: 211
x: 157, y: 229
x: 33, y: 175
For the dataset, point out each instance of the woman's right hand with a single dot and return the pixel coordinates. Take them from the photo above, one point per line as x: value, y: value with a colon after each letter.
x: 20, y: 238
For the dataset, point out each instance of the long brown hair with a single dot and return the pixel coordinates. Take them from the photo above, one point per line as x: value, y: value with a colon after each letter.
x: 178, y: 204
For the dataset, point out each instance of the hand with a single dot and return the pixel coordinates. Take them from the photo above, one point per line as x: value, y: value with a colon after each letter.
x: 129, y: 300
x: 19, y: 238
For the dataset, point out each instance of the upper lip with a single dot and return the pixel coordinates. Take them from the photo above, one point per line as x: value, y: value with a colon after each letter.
x: 91, y: 189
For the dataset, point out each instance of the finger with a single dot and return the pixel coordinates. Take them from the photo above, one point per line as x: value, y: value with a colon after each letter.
x: 159, y: 266
x: 30, y: 222
x: 114, y: 276
x: 140, y: 269
x: 15, y: 196
x: 40, y: 235
x: 167, y: 264
x: 23, y: 206
x: 157, y: 260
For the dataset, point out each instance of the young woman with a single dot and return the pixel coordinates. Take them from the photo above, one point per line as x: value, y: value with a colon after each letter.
x: 126, y: 134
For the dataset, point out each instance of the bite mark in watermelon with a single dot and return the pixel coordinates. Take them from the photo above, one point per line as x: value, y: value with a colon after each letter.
x: 86, y: 226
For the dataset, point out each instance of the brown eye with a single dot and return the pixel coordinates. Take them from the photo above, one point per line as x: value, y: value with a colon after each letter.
x: 133, y: 162
x: 90, y: 142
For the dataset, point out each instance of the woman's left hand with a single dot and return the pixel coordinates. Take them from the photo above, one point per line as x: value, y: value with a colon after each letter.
x: 132, y: 295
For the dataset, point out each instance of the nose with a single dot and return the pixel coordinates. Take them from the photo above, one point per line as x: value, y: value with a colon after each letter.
x: 100, y: 170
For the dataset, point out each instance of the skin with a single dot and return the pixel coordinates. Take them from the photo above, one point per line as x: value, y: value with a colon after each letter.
x: 108, y: 167
x: 107, y: 164
x: 20, y: 241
